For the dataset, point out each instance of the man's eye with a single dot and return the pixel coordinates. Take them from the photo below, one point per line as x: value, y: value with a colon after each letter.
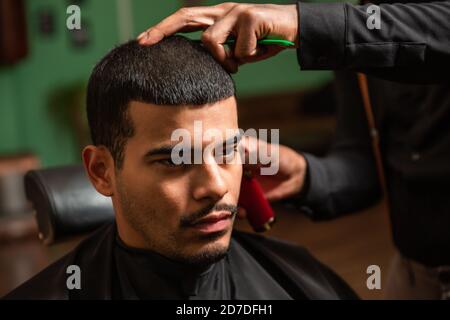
x: 168, y: 163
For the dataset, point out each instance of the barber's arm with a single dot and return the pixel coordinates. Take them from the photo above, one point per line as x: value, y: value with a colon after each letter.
x: 345, y: 180
x: 412, y: 42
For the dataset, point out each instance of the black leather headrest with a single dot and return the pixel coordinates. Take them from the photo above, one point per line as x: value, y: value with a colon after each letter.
x: 65, y: 202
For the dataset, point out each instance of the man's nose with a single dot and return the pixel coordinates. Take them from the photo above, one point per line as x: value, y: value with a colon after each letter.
x: 209, y: 183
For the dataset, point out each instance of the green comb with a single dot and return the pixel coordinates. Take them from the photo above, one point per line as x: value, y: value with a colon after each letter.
x: 267, y: 42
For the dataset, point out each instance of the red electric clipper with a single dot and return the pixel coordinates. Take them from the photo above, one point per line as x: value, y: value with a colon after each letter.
x: 259, y: 212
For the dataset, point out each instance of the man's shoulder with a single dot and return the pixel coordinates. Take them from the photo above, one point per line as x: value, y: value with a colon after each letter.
x: 277, y: 250
x: 51, y: 283
x: 297, y: 266
x: 260, y: 242
x: 46, y: 285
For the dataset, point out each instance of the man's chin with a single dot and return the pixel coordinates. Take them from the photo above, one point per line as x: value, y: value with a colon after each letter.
x: 207, y: 256
x: 209, y: 252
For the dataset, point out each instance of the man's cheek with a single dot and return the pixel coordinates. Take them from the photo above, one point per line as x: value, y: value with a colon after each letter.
x: 235, y: 182
x: 169, y: 206
x: 174, y: 195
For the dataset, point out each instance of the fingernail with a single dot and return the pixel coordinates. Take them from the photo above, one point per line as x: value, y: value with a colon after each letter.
x: 142, y: 35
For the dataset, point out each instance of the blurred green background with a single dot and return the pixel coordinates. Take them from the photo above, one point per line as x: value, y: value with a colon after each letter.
x: 40, y: 97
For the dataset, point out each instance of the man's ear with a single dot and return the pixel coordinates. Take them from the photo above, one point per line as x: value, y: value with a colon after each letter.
x: 99, y: 166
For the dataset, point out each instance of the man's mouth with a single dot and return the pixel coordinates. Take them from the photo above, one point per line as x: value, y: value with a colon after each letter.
x: 215, y: 222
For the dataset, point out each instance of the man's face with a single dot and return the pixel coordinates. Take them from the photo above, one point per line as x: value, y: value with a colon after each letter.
x: 184, y: 212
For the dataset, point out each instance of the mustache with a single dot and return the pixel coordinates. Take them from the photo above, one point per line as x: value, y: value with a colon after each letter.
x: 189, y: 220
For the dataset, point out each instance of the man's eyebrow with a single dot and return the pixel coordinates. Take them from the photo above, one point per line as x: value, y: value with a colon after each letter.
x: 163, y: 150
x: 167, y: 149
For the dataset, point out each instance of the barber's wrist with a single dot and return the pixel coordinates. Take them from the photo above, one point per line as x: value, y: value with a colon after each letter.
x: 282, y: 22
x: 297, y: 36
x: 322, y: 33
x: 293, y: 16
x: 305, y: 179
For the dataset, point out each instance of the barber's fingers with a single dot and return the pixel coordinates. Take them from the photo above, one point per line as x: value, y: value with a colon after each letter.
x: 180, y: 21
x: 249, y: 29
x: 247, y: 50
x: 214, y: 39
x: 262, y: 53
x: 284, y: 190
x: 246, y: 44
x: 186, y: 19
x: 245, y: 29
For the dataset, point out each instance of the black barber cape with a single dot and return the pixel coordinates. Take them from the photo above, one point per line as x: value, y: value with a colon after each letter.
x: 255, y: 267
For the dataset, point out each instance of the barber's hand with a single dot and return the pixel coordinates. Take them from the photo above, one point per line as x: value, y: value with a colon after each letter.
x: 289, y: 179
x: 245, y: 22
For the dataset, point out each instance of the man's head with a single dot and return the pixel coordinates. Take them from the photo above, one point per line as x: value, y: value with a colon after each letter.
x: 137, y: 97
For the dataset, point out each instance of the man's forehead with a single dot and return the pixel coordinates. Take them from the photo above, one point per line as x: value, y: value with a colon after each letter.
x: 159, y: 122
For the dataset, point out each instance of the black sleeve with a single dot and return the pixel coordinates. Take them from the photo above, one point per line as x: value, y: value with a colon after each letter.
x: 345, y: 180
x: 411, y: 45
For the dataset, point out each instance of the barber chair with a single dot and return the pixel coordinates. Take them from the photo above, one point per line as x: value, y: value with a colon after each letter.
x: 65, y: 203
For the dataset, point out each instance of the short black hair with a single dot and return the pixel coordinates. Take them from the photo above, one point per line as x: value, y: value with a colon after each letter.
x: 175, y: 71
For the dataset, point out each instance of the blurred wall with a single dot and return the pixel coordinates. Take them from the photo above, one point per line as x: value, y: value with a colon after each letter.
x: 32, y: 120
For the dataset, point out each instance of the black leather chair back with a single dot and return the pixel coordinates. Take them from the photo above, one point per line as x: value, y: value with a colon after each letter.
x: 65, y: 202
